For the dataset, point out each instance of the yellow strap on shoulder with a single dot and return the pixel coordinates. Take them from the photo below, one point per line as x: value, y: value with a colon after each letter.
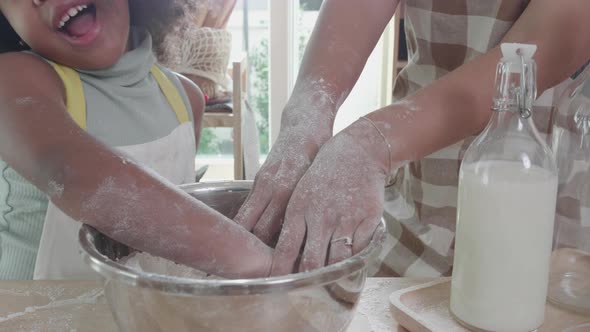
x: 171, y: 94
x: 75, y: 100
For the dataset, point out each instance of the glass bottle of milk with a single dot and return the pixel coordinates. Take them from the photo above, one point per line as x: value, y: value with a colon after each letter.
x: 506, y: 210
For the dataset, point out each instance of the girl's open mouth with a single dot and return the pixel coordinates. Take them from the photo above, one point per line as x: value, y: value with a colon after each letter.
x: 79, y: 24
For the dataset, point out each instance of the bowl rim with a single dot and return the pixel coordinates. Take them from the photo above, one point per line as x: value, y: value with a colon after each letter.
x: 112, y: 270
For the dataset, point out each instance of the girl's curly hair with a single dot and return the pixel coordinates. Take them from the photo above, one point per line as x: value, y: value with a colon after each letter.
x: 158, y: 16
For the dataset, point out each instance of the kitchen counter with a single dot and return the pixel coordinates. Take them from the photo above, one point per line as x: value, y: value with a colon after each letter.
x: 80, y: 306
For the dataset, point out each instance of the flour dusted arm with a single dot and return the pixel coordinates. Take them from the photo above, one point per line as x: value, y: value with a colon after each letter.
x: 341, y: 196
x: 343, y: 38
x: 93, y: 184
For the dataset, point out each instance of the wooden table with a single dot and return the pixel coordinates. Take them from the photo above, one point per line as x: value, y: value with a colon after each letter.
x: 80, y: 306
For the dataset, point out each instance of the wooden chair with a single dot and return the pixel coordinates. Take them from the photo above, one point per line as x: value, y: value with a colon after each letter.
x: 231, y: 117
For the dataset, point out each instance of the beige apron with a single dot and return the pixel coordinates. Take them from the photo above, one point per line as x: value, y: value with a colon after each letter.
x: 172, y: 157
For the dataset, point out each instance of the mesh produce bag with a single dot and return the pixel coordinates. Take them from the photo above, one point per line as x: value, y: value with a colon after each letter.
x: 202, y: 52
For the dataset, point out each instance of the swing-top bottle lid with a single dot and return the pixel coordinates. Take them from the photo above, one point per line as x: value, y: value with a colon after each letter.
x: 516, y: 74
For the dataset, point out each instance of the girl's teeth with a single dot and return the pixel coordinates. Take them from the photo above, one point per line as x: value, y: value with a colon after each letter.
x: 71, y: 13
x: 64, y: 20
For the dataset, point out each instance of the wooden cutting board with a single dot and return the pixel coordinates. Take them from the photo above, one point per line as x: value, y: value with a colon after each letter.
x: 425, y: 308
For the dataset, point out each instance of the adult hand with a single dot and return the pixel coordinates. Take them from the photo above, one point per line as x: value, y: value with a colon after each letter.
x: 297, y: 145
x: 338, y: 204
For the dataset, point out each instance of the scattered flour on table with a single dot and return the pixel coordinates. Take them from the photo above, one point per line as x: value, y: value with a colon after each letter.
x: 89, y: 297
x: 374, y: 306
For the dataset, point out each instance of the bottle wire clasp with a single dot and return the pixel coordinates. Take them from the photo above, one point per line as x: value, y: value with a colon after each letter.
x: 525, y: 112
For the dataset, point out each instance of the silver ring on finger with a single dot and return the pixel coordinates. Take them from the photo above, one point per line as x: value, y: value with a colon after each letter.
x: 347, y: 240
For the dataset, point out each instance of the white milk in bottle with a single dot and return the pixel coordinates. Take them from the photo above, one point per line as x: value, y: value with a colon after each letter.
x: 505, y: 211
x: 503, y: 245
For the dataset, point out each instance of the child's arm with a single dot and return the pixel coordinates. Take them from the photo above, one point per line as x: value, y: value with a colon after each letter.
x: 197, y: 101
x: 101, y: 188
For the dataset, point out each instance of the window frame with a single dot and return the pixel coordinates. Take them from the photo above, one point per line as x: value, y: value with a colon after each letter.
x: 282, y: 60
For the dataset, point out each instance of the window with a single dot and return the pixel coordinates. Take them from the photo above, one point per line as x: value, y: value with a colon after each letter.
x: 249, y: 26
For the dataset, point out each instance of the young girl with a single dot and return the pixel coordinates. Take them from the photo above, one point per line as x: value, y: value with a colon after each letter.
x: 92, y: 130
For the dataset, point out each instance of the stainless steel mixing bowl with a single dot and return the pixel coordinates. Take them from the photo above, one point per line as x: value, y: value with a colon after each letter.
x: 320, y: 300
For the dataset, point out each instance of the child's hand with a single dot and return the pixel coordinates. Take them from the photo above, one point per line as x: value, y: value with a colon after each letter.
x: 234, y: 252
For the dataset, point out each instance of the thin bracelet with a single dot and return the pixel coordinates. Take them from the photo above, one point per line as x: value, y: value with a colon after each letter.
x: 384, y: 139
